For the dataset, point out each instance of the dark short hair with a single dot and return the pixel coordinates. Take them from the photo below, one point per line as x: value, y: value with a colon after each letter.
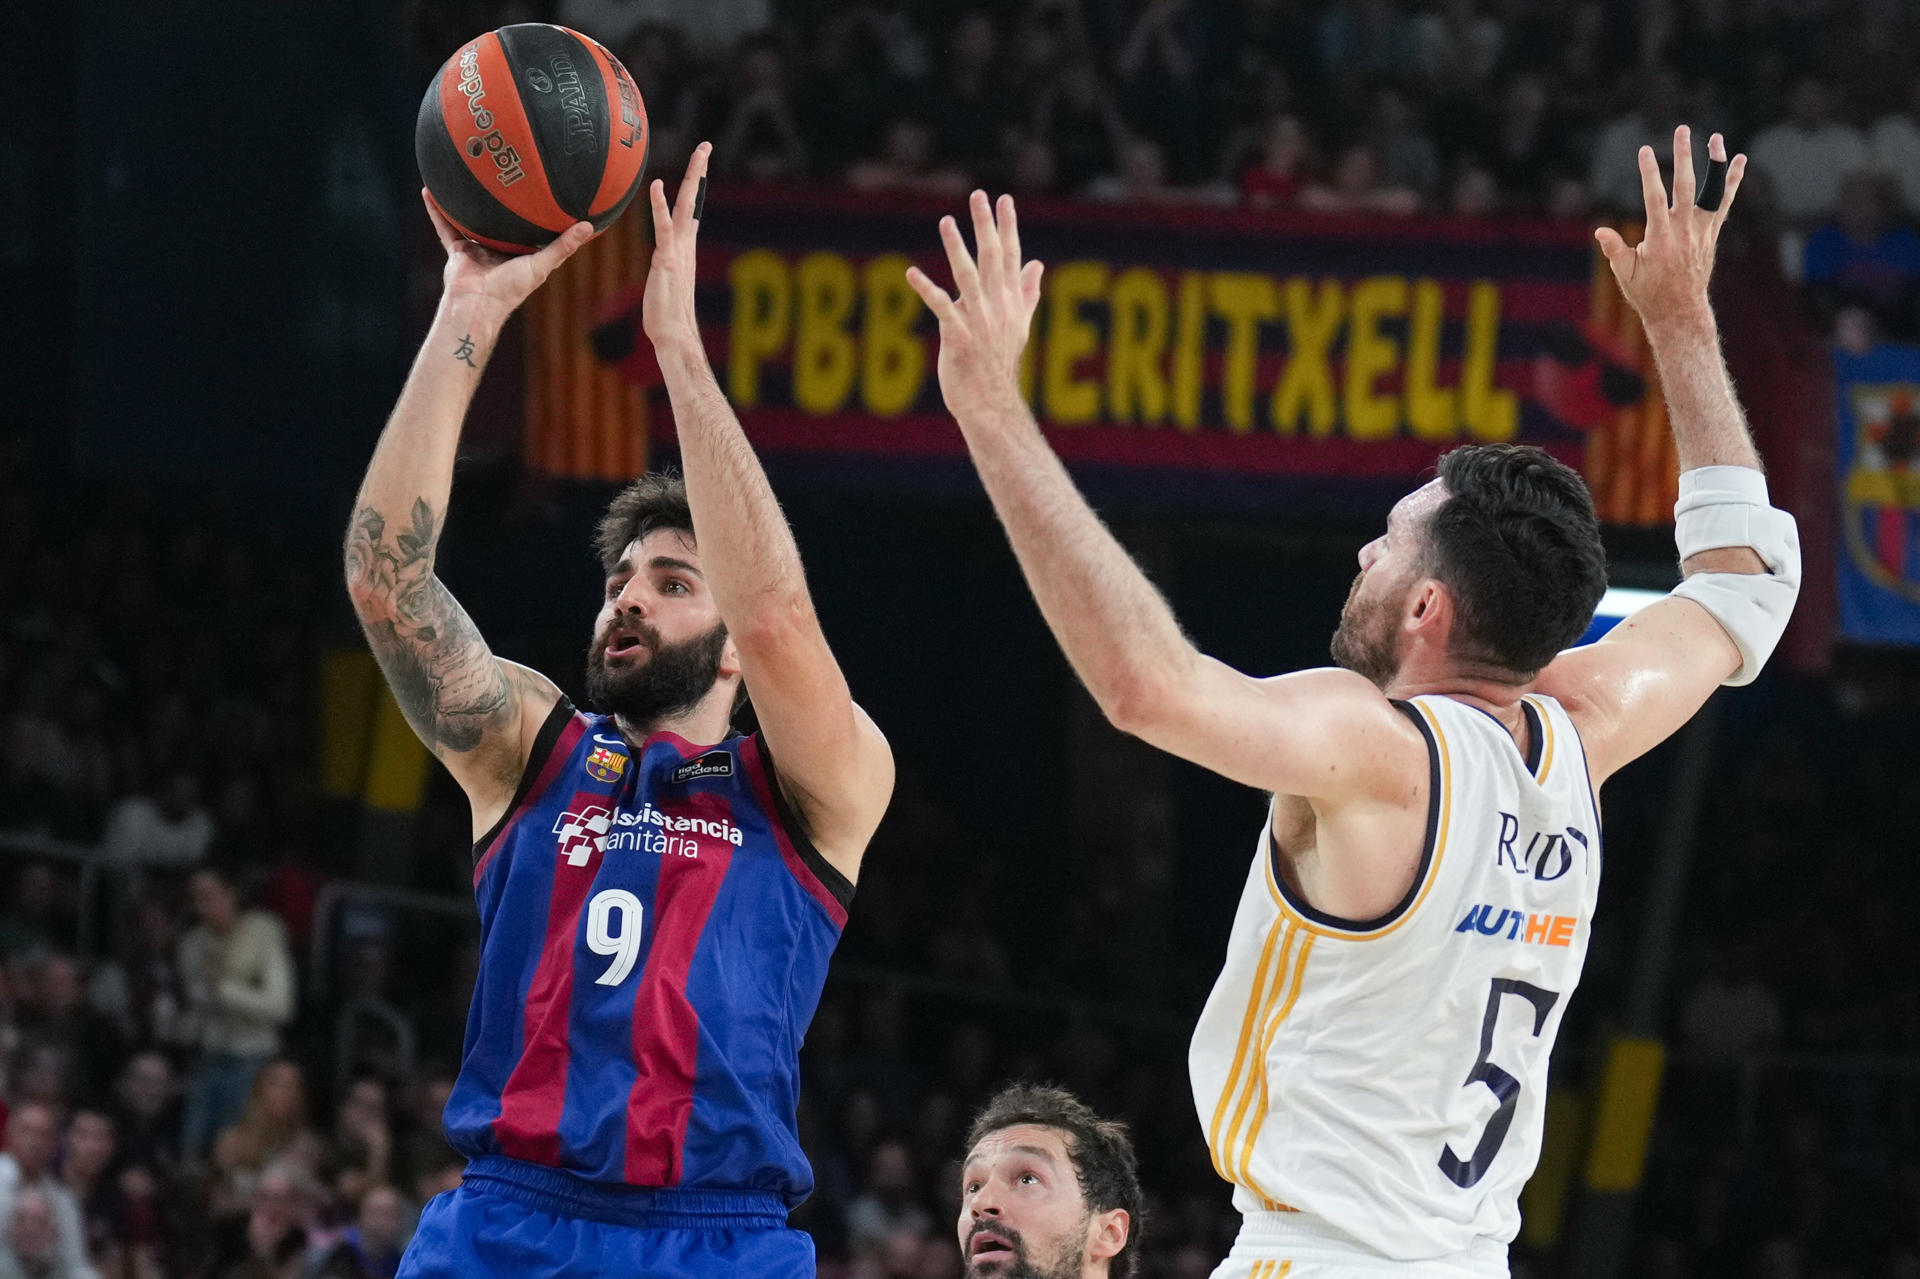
x: 1517, y: 545
x: 655, y: 501
x: 1100, y: 1149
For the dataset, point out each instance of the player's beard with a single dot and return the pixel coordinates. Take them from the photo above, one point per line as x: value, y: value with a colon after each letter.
x: 670, y: 682
x: 1068, y: 1261
x: 1363, y: 642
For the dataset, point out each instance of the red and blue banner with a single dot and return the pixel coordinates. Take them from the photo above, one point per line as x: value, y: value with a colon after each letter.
x: 1879, y: 469
x: 1175, y: 349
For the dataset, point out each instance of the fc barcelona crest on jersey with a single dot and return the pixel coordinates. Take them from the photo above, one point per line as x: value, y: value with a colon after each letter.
x: 606, y: 765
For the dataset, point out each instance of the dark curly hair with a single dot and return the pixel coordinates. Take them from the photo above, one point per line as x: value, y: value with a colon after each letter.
x: 655, y: 501
x: 1517, y: 544
x: 1100, y: 1149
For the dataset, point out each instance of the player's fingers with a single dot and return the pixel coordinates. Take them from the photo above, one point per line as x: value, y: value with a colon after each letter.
x: 449, y: 238
x: 1736, y: 170
x: 1030, y: 282
x: 1010, y: 238
x: 986, y: 243
x: 932, y: 294
x: 1618, y: 253
x: 1653, y: 192
x: 662, y: 219
x: 1682, y: 169
x: 966, y: 278
x: 692, y: 187
x: 562, y: 247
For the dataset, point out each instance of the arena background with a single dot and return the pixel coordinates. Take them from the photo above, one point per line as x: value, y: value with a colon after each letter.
x: 1296, y: 248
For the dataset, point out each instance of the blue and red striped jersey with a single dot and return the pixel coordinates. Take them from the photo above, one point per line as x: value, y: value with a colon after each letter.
x: 655, y: 931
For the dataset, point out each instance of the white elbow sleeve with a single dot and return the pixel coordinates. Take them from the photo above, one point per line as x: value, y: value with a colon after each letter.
x: 1726, y: 506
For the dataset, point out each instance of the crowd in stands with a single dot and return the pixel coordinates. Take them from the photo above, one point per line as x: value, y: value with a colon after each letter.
x: 188, y: 1091
x: 1465, y: 108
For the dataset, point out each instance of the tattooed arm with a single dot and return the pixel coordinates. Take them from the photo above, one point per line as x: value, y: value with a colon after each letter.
x: 476, y: 713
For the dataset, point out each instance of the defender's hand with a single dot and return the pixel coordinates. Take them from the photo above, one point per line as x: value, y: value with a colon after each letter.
x: 1665, y: 275
x: 667, y: 309
x: 982, y: 333
x: 501, y: 281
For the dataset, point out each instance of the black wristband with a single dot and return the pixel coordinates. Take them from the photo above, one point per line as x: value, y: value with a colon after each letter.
x: 1714, y: 189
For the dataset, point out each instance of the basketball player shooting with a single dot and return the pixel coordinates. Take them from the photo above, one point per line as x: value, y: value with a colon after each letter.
x: 658, y: 896
x: 1371, y: 1067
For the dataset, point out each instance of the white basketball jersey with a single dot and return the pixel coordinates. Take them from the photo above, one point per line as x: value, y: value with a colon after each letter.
x: 1389, y: 1076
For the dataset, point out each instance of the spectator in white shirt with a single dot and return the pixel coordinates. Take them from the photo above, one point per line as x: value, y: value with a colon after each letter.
x: 1614, y: 167
x: 26, y: 1178
x: 238, y: 979
x: 1894, y: 147
x: 1808, y: 155
x: 169, y: 828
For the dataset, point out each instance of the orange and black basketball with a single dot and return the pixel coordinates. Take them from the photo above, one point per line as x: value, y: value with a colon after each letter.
x: 526, y: 131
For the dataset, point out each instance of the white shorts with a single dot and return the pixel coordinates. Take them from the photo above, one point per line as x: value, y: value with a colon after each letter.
x: 1293, y: 1245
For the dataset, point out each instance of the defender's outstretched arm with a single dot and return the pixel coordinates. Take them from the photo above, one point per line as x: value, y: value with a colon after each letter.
x: 831, y: 759
x: 1740, y: 556
x: 475, y: 712
x: 1326, y: 734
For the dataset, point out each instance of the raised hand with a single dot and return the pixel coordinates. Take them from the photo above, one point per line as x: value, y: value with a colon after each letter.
x: 500, y: 280
x: 667, y: 309
x: 983, y: 332
x: 1665, y: 275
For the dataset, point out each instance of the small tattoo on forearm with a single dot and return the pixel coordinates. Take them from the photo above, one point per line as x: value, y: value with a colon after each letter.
x: 464, y: 352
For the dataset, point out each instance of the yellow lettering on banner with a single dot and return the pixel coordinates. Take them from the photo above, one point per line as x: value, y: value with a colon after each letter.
x: 762, y: 313
x: 1371, y: 353
x: 1072, y: 401
x: 1491, y: 414
x: 1431, y: 414
x: 824, y: 357
x: 893, y: 358
x: 1136, y: 343
x: 1244, y: 300
x: 1306, y: 379
x: 1190, y: 335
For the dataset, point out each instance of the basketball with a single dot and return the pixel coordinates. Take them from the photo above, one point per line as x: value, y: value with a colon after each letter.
x: 527, y: 130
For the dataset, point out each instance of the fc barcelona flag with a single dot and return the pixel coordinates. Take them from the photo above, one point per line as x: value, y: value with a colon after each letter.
x: 1879, y: 467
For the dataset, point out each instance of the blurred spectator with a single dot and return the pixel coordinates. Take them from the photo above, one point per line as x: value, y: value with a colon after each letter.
x: 170, y: 827
x: 270, y: 1241
x: 1142, y: 179
x: 147, y: 1112
x: 711, y: 27
x: 27, y: 925
x: 33, y: 1241
x: 1474, y: 192
x: 86, y: 1166
x: 1731, y: 1009
x: 1407, y: 154
x: 973, y: 101
x: 238, y: 977
x: 272, y: 1130
x: 359, y: 1154
x: 54, y: 1013
x: 1894, y: 148
x: 1358, y: 187
x: 762, y: 139
x: 26, y: 1171
x: 1079, y: 120
x: 905, y: 163
x: 1863, y: 259
x: 1031, y: 172
x: 1274, y: 180
x: 1613, y: 174
x: 1159, y: 65
x: 887, y: 1204
x: 1808, y: 155
x: 139, y: 988
x: 372, y: 1245
x: 1529, y: 145
x: 423, y: 1160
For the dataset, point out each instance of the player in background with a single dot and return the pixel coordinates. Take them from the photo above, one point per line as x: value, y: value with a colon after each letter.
x: 1049, y: 1190
x: 1371, y: 1067
x: 658, y: 896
